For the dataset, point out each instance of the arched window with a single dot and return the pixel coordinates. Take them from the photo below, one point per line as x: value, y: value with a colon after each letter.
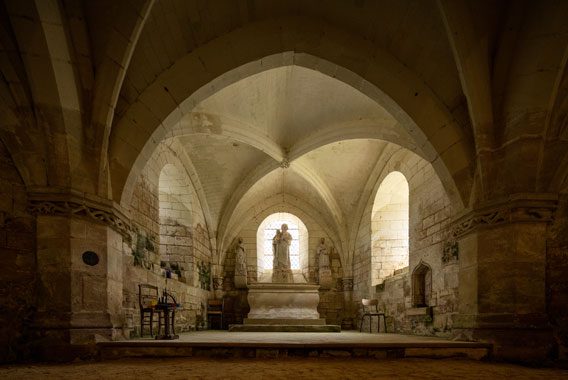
x: 389, y: 228
x: 298, y: 247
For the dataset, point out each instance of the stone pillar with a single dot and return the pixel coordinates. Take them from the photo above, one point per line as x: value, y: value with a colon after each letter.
x: 502, y: 254
x: 79, y: 265
x: 349, y: 309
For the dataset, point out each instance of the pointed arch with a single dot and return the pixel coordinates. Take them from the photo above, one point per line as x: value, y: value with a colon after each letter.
x: 379, y: 76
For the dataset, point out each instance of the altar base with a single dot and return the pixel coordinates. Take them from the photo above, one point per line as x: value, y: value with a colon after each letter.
x: 284, y: 307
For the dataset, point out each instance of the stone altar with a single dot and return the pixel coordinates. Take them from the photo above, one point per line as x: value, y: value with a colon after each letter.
x: 290, y: 307
x: 273, y: 304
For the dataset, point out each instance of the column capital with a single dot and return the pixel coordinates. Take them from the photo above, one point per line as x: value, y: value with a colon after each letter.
x: 515, y: 208
x: 347, y: 284
x: 57, y: 202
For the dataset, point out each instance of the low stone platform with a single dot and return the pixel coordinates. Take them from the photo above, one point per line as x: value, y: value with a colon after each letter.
x: 281, y: 321
x: 224, y: 344
x: 273, y: 327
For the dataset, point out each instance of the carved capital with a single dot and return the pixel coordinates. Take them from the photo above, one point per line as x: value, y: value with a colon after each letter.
x: 217, y: 283
x: 347, y: 284
x: 518, y: 208
x: 73, y: 205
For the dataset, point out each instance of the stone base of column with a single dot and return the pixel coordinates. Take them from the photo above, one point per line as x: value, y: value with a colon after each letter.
x: 524, y: 338
x: 67, y: 336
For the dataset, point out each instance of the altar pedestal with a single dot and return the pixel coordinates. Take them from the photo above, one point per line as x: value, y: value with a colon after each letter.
x: 284, y: 307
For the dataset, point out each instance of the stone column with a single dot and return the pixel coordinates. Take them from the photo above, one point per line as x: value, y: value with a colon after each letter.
x: 79, y: 264
x: 502, y: 254
x: 217, y: 280
x: 349, y: 309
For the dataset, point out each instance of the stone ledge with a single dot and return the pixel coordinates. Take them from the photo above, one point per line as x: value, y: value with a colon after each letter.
x: 295, y: 322
x: 284, y: 328
x: 115, y: 350
x: 419, y: 311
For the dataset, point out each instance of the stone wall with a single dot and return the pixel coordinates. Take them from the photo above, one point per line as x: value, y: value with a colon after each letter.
x: 17, y: 249
x: 429, y: 215
x: 170, y: 235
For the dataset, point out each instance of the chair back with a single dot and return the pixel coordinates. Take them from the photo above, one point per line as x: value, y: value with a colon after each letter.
x: 147, y: 295
x: 370, y: 305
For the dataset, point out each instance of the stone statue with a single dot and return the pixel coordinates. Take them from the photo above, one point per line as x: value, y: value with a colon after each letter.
x: 323, y: 256
x: 324, y: 270
x: 281, y: 270
x: 240, y: 265
x: 275, y: 242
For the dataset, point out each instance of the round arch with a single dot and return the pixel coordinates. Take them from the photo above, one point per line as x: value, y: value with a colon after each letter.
x: 298, y: 248
x: 285, y: 204
x: 389, y: 227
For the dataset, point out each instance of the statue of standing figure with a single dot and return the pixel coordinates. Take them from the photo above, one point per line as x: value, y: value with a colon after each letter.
x: 281, y: 269
x: 323, y: 256
x: 324, y: 270
x: 240, y: 265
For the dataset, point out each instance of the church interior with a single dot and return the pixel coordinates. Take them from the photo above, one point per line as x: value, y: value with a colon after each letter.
x: 153, y: 150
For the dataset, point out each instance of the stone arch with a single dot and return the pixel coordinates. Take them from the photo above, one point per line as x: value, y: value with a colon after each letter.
x: 299, y: 247
x: 421, y: 285
x: 389, y: 227
x: 393, y: 158
x: 55, y: 120
x: 313, y: 219
x: 171, y: 152
x: 340, y: 55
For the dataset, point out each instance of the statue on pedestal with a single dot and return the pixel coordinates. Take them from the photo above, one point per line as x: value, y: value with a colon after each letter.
x: 281, y: 269
x: 240, y: 265
x: 325, y: 278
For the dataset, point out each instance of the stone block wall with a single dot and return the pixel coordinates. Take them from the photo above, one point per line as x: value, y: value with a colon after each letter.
x: 429, y: 215
x: 168, y: 216
x: 17, y: 249
x: 145, y: 206
x: 192, y: 299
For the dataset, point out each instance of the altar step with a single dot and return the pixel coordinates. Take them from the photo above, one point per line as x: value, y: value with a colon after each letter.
x: 284, y: 328
x: 282, y: 349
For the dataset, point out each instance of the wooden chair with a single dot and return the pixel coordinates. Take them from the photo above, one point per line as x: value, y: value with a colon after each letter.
x: 215, y: 311
x: 370, y: 309
x: 147, y: 300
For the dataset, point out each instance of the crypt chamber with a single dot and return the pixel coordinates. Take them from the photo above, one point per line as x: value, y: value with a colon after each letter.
x: 416, y: 153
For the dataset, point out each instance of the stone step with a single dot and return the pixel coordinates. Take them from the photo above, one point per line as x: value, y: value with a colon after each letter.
x: 283, y: 321
x: 249, y: 327
x: 124, y: 349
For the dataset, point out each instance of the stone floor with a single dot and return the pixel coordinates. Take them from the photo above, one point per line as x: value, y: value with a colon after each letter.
x: 345, y: 337
x: 273, y: 369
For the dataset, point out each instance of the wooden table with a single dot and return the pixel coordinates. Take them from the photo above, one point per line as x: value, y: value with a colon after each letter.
x: 167, y: 308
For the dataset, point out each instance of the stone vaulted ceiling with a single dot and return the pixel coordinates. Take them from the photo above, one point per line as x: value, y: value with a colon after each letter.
x: 238, y: 138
